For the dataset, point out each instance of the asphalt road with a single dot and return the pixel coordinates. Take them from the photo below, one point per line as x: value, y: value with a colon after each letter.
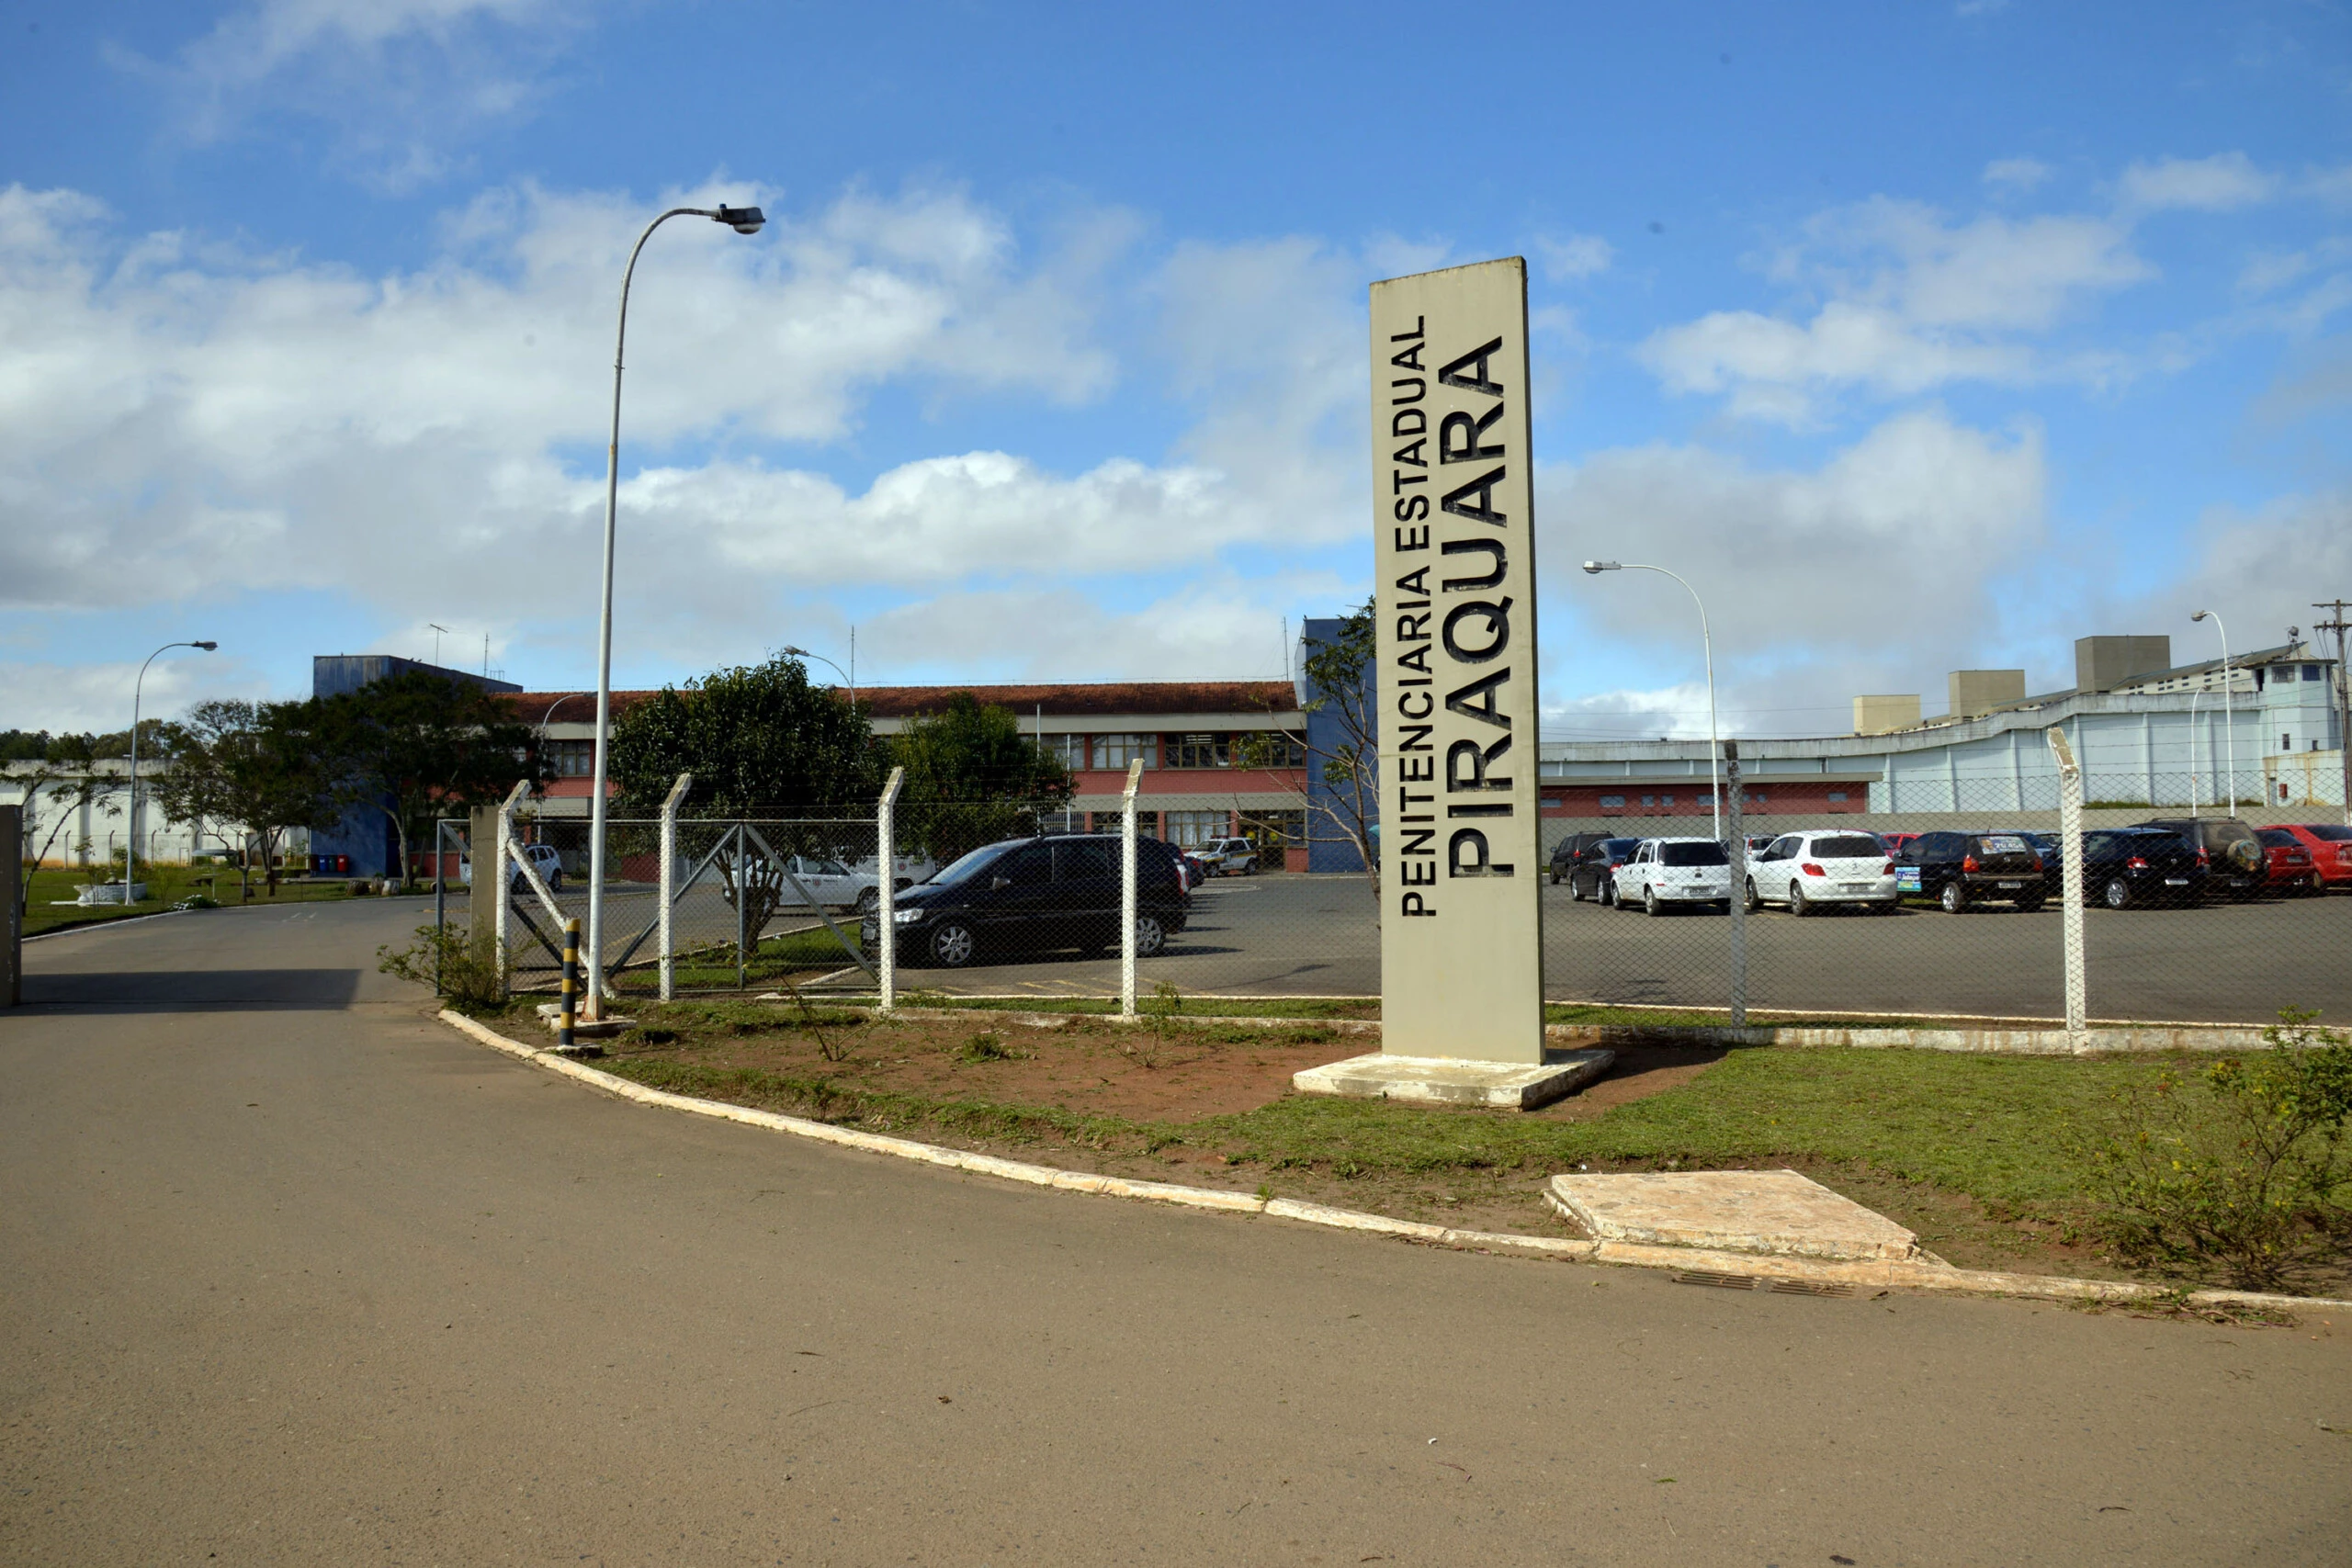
x: 294, y: 1275
x: 1314, y: 935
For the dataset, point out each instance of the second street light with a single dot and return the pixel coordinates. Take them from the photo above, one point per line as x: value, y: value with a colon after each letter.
x: 130, y: 837
x: 2228, y: 716
x: 1706, y: 641
x: 743, y: 220
x: 804, y: 653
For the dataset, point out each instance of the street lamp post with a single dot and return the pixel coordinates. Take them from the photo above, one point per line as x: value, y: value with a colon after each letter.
x: 743, y: 220
x: 131, y: 836
x: 804, y: 653
x: 2229, y: 714
x: 1707, y: 640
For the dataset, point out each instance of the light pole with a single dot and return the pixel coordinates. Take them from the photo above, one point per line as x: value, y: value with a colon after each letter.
x: 1707, y: 640
x: 131, y: 836
x: 743, y: 220
x: 804, y: 653
x: 2229, y: 714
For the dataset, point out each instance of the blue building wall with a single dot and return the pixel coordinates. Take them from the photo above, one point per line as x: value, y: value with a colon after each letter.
x: 1327, y: 849
x: 366, y: 838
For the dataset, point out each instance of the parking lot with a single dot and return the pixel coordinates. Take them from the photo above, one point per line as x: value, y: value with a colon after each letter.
x: 1291, y: 935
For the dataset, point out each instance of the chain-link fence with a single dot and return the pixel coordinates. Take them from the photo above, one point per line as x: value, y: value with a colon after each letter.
x: 2195, y: 915
x: 1948, y: 912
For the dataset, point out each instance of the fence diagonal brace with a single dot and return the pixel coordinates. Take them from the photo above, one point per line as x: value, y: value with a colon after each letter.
x: 856, y: 955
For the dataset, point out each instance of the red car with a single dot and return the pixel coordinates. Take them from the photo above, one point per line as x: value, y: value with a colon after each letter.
x: 2289, y: 861
x: 2330, y: 845
x: 1894, y: 841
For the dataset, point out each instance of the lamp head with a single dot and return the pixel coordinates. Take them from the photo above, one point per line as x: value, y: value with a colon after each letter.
x: 1597, y: 567
x: 796, y: 652
x: 208, y: 647
x: 2200, y: 614
x: 742, y: 219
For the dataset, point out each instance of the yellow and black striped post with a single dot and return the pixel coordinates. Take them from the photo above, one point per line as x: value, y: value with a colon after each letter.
x: 566, y: 1019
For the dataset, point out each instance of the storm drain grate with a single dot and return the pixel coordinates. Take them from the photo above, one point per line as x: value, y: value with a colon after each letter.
x: 1750, y: 1282
x: 1722, y: 1281
x: 1810, y: 1288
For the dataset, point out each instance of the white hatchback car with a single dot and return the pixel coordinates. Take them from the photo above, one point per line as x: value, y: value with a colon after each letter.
x: 1805, y: 871
x: 1663, y: 872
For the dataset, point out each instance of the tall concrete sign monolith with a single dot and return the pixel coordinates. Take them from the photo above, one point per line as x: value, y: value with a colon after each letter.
x: 1461, y: 922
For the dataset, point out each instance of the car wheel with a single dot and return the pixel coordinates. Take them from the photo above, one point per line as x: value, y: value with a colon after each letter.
x: 1649, y: 902
x: 2117, y: 893
x: 1954, y: 898
x: 868, y: 900
x: 953, y: 944
x: 1799, y: 904
x: 1752, y: 901
x: 1576, y: 894
x: 555, y: 882
x: 1151, y: 937
x: 1556, y: 876
x: 2314, y: 886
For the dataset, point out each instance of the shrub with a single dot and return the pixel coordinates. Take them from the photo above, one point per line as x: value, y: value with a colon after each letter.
x: 2241, y: 1167
x: 471, y: 979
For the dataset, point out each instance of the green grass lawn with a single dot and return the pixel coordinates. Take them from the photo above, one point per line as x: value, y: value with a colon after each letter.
x: 166, y: 886
x: 712, y: 968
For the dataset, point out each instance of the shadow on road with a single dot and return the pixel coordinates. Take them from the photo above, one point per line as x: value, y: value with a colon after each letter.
x: 169, y: 990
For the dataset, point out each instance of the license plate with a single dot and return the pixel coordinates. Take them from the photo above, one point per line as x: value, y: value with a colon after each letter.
x: 2175, y: 882
x: 1853, y: 888
x: 2012, y: 887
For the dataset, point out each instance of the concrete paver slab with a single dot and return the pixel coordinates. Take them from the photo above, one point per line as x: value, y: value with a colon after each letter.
x: 1733, y: 1211
x: 1443, y: 1080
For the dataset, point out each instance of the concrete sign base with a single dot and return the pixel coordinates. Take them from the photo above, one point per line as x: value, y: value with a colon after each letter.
x: 1450, y: 1081
x: 1776, y: 1212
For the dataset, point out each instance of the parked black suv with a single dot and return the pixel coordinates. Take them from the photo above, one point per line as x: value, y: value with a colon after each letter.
x: 2124, y: 866
x: 2226, y: 848
x: 1960, y: 869
x: 1565, y: 853
x: 1593, y: 874
x: 1041, y: 895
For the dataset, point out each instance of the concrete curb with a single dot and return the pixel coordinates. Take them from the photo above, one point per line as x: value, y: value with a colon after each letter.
x: 1908, y: 1274
x: 1985, y: 1042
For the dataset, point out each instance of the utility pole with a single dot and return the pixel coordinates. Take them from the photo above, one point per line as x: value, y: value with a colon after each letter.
x: 2343, y: 699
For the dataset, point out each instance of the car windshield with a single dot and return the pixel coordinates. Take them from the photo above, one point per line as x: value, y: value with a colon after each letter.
x: 2330, y: 833
x: 1852, y: 846
x: 1692, y: 855
x: 967, y: 864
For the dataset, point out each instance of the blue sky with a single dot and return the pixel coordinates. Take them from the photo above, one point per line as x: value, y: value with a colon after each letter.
x: 1917, y: 338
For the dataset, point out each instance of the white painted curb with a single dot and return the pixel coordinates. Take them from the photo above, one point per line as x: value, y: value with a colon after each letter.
x: 1907, y: 1275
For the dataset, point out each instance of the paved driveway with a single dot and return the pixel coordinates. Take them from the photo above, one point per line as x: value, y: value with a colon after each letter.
x: 294, y: 1275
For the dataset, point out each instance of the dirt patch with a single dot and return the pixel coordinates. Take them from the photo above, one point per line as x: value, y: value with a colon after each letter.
x: 1639, y: 1071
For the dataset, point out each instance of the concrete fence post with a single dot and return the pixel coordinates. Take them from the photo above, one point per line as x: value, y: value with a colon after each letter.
x: 1127, y: 910
x: 12, y: 881
x: 504, y: 846
x: 2070, y: 839
x: 667, y: 936
x: 486, y: 897
x: 885, y: 889
x: 1736, y: 847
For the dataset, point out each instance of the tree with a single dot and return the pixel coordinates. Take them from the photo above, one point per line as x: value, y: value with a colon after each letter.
x: 973, y: 776
x: 760, y: 742
x: 1339, y: 675
x: 759, y: 739
x: 69, y: 773
x: 414, y: 745
x: 252, y: 765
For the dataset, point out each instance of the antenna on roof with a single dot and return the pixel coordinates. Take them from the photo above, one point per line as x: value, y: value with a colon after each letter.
x: 1286, y: 676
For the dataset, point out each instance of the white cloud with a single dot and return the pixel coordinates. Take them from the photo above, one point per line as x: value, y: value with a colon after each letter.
x: 1574, y: 257
x: 1914, y: 302
x: 1792, y: 562
x: 2016, y: 174
x: 71, y: 698
x: 402, y: 83
x: 2218, y: 184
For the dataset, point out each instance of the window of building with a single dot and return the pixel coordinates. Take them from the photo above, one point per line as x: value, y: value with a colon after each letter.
x: 1146, y: 823
x: 1836, y: 798
x: 1275, y: 829
x: 1061, y: 821
x: 1210, y: 750
x: 570, y: 759
x: 1612, y: 803
x: 2284, y: 674
x: 1269, y: 749
x: 2311, y: 672
x: 1118, y: 751
x: 1068, y: 750
x: 1649, y: 800
x: 1193, y: 829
